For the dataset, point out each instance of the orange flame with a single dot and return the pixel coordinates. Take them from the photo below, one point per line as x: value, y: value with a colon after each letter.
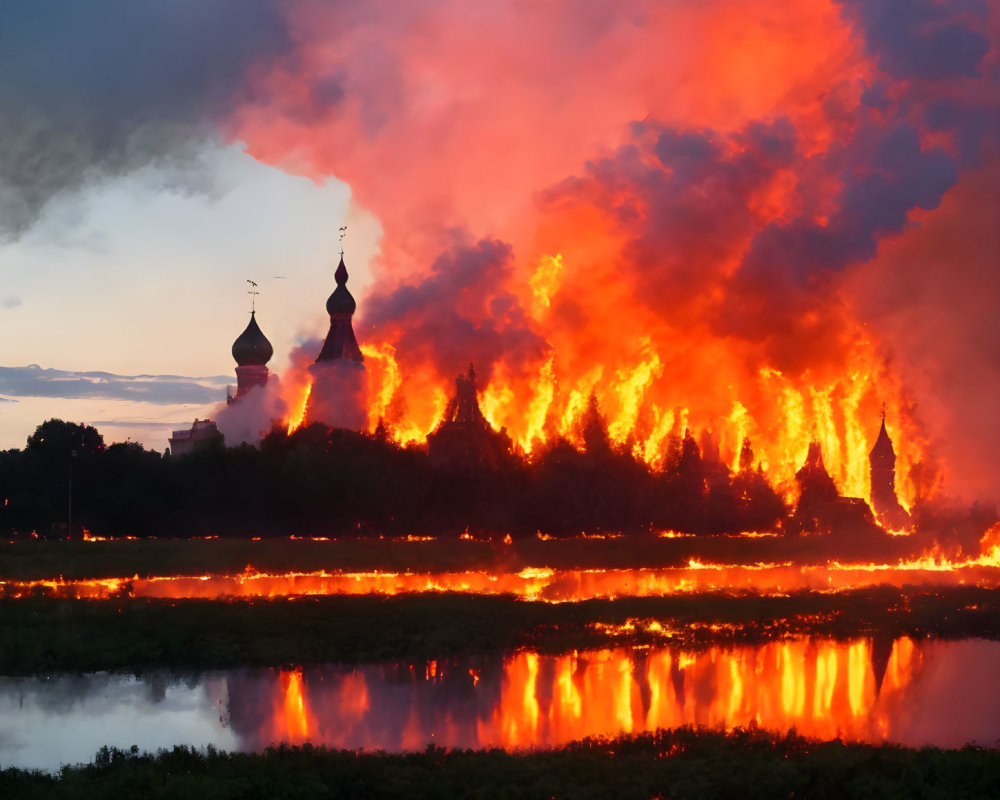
x: 780, y: 415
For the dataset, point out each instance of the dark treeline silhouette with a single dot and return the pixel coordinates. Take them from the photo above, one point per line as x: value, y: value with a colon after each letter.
x: 692, y: 763
x: 325, y: 482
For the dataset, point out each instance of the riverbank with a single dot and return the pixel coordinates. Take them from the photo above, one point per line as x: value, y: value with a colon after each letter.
x: 679, y: 763
x: 43, y: 635
x: 40, y: 559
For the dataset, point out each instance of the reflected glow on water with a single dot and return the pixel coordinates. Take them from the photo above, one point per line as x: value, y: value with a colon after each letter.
x: 942, y: 693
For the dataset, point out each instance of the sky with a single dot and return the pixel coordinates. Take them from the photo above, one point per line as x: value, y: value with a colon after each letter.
x: 765, y: 220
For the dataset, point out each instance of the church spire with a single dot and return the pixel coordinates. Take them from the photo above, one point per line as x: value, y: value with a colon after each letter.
x: 882, y: 454
x: 882, y: 476
x: 340, y: 341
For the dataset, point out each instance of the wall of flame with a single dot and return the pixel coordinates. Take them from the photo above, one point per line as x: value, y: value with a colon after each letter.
x: 690, y: 210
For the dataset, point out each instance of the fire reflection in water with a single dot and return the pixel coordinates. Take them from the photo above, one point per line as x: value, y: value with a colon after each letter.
x: 860, y: 690
x: 295, y: 727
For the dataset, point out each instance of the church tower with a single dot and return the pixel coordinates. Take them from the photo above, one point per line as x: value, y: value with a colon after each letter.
x: 882, y: 460
x: 340, y: 341
x: 339, y: 393
x: 251, y: 351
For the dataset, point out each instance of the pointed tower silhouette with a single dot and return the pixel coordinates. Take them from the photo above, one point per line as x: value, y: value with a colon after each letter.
x: 882, y: 463
x: 340, y: 341
x: 339, y: 394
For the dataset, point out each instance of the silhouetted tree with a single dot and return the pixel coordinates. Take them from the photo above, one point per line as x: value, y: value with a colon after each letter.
x: 61, y: 438
x: 594, y: 429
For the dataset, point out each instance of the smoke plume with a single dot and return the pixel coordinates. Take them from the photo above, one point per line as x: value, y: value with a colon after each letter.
x: 684, y: 208
x: 762, y: 220
x: 90, y: 91
x: 249, y: 419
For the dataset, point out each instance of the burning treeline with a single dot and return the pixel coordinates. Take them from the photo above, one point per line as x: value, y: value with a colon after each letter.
x: 703, y: 245
x: 758, y: 220
x: 648, y: 408
x: 699, y: 259
x: 534, y: 451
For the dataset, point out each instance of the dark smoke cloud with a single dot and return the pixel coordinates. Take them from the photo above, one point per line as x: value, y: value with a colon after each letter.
x: 884, y: 174
x: 460, y: 313
x: 91, y: 90
x: 687, y: 210
x: 681, y: 200
x: 922, y: 38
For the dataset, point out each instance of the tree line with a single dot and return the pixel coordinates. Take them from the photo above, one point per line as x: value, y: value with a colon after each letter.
x: 322, y: 482
x: 686, y: 763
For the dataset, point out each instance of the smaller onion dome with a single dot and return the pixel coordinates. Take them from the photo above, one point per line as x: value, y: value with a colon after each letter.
x: 252, y: 348
x: 341, y: 301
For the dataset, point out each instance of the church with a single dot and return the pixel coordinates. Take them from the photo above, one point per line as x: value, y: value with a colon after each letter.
x: 338, y: 397
x: 465, y: 439
x: 339, y: 394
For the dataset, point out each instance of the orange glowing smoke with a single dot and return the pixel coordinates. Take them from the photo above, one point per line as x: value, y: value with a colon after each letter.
x: 644, y: 410
x: 585, y: 298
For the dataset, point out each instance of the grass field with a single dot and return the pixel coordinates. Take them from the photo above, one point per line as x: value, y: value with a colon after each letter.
x: 41, y: 635
x: 34, y: 560
x: 682, y: 763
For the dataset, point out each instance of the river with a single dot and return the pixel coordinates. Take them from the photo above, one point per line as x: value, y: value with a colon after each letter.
x: 943, y: 693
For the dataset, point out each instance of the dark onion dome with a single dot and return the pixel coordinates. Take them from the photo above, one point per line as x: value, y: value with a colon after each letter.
x: 341, y: 301
x: 252, y: 347
x: 882, y: 451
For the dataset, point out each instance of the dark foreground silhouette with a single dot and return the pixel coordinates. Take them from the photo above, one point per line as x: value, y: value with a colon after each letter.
x: 326, y: 482
x: 680, y: 763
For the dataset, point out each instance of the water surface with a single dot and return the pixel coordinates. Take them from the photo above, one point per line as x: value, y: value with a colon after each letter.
x: 877, y: 690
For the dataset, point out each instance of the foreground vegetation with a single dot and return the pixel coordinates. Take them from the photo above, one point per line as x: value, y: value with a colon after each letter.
x: 40, y: 559
x: 42, y: 635
x: 682, y: 763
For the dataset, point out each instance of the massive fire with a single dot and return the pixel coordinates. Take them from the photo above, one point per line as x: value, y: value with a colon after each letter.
x: 697, y: 255
x: 647, y: 411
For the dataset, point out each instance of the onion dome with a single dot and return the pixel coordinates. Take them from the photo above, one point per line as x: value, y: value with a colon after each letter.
x: 252, y: 347
x: 341, y: 301
x: 882, y: 452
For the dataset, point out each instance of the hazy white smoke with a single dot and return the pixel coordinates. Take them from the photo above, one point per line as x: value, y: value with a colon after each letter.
x: 247, y: 420
x: 339, y: 395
